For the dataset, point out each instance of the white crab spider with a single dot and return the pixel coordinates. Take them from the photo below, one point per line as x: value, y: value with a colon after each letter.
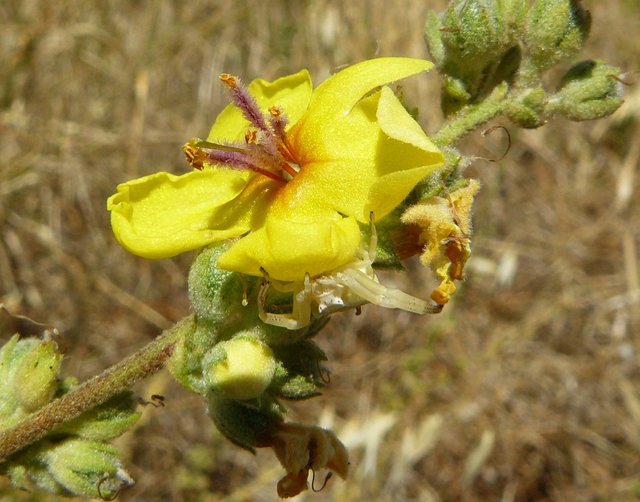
x: 349, y: 286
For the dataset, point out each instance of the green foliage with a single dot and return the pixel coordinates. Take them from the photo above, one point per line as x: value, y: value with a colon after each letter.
x: 471, y: 43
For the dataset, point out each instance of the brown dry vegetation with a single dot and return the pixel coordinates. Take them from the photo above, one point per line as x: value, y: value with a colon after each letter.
x: 525, y: 388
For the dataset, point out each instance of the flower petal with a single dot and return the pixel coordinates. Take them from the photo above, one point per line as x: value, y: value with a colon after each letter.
x: 405, y: 156
x: 334, y: 99
x: 377, y: 158
x: 336, y: 96
x: 288, y: 250
x: 162, y: 215
x: 291, y: 93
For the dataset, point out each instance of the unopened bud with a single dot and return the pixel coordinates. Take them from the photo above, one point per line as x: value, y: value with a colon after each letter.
x: 528, y: 109
x: 243, y: 424
x: 240, y: 368
x: 215, y: 294
x: 468, y: 43
x: 86, y: 468
x: 555, y: 30
x: 36, y: 378
x: 589, y: 90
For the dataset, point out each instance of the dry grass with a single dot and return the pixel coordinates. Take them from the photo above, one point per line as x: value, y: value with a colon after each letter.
x: 526, y: 388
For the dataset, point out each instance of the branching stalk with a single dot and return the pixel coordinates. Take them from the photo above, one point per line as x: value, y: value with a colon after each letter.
x: 93, y: 392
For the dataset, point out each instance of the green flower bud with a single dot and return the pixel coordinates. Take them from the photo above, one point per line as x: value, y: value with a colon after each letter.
x: 28, y: 377
x: 555, y: 30
x: 243, y: 423
x: 70, y: 467
x: 474, y: 34
x: 589, y: 90
x: 298, y: 374
x: 241, y: 368
x: 216, y: 294
x: 34, y: 477
x: 80, y: 466
x: 454, y: 95
x: 528, y: 109
x: 107, y: 421
x: 468, y: 43
x: 36, y: 377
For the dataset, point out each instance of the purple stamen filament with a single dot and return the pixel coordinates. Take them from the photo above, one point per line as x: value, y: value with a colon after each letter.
x: 266, y: 149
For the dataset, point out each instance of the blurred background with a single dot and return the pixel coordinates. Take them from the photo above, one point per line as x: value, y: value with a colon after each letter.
x: 526, y: 387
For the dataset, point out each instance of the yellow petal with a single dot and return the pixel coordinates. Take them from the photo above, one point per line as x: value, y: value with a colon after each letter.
x: 291, y: 93
x: 334, y: 99
x: 162, y: 215
x: 337, y: 95
x: 376, y: 159
x: 404, y: 157
x: 288, y: 250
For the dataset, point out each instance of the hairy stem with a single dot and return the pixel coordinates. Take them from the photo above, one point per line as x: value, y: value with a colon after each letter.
x: 99, y: 389
x: 471, y: 117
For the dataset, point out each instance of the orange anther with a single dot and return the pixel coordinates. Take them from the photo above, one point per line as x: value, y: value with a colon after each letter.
x: 275, y: 111
x: 229, y: 80
x: 251, y: 136
x: 194, y: 156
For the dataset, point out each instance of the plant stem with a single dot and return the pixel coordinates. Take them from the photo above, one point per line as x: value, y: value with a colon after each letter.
x: 99, y: 389
x: 470, y: 117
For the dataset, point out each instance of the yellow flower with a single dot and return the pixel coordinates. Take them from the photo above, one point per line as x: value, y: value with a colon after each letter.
x: 295, y: 170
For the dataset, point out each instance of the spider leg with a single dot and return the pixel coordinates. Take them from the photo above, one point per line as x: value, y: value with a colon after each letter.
x: 301, y: 313
x: 374, y: 292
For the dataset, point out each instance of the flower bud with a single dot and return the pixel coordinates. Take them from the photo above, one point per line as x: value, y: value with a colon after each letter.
x: 28, y: 377
x: 241, y: 368
x: 243, y: 423
x: 80, y: 467
x: 468, y: 42
x: 73, y: 466
x: 216, y: 294
x: 589, y: 90
x: 9, y: 360
x: 528, y: 109
x: 473, y: 33
x: 36, y: 378
x: 555, y: 30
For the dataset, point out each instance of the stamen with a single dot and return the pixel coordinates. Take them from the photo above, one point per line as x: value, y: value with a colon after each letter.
x: 199, y: 152
x: 239, y: 161
x: 196, y: 148
x: 287, y: 168
x: 266, y: 149
x: 278, y: 122
x: 245, y: 101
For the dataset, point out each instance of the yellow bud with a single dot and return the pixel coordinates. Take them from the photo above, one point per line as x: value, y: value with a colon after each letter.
x: 241, y: 368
